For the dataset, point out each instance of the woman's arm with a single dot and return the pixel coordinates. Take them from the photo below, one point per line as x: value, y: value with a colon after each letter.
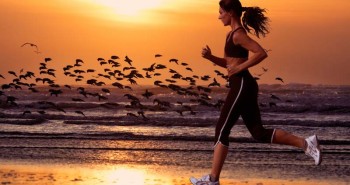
x: 245, y: 41
x: 206, y: 53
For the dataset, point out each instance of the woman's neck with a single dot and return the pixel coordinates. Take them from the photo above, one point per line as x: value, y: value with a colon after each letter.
x: 234, y: 27
x: 235, y: 23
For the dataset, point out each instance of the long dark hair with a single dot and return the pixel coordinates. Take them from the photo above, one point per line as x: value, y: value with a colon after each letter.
x: 253, y: 17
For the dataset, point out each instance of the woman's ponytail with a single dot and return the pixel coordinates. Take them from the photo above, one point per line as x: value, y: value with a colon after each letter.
x: 253, y: 17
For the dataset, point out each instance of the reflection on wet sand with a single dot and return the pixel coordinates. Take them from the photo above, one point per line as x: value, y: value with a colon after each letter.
x: 73, y: 174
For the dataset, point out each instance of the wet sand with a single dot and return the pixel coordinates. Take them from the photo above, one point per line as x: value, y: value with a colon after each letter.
x: 27, y: 173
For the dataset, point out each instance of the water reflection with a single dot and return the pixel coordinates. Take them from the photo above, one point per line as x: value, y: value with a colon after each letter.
x: 83, y: 174
x: 124, y: 175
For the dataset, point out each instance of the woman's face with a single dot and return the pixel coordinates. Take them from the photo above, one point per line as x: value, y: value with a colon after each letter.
x: 225, y: 17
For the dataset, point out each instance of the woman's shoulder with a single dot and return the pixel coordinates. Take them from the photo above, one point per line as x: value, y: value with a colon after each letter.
x: 239, y: 34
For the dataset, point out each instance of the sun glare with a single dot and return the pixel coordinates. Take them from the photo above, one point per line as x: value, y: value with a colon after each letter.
x: 129, y: 8
x: 126, y: 176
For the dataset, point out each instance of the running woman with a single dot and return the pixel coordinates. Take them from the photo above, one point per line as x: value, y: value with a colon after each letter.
x: 242, y: 98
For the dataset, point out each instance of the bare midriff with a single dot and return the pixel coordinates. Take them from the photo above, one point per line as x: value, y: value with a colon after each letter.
x: 230, y: 61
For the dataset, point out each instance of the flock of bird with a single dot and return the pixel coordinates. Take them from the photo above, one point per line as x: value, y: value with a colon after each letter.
x: 117, y: 72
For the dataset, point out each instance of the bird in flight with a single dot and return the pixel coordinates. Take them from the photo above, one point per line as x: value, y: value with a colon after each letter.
x: 275, y: 97
x: 32, y: 45
x: 280, y: 79
x: 80, y: 112
x: 174, y: 60
x: 264, y: 69
x: 157, y: 55
x: 128, y: 60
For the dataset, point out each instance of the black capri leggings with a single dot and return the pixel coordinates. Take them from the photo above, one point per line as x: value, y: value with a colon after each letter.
x: 242, y: 100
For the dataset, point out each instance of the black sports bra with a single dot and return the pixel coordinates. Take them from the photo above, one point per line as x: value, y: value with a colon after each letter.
x: 233, y: 50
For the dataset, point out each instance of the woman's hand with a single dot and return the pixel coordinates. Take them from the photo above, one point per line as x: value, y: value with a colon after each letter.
x: 206, y: 52
x: 233, y: 69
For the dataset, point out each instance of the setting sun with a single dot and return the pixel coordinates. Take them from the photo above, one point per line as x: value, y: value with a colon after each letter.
x: 130, y: 7
x: 129, y: 10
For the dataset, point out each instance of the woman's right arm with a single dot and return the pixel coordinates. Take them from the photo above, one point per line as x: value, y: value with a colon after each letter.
x: 206, y: 53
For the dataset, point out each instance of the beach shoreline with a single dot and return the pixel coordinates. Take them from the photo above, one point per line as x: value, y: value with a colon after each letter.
x: 106, y: 146
x: 42, y: 172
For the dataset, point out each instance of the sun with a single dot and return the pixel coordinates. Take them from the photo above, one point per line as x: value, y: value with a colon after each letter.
x: 130, y: 8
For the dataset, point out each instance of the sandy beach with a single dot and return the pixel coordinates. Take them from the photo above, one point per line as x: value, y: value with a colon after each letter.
x: 28, y: 172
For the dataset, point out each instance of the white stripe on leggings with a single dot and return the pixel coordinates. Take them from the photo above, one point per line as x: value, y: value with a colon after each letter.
x: 273, y: 133
x: 239, y: 93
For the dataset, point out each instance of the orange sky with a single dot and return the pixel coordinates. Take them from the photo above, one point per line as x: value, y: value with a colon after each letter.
x: 309, y: 39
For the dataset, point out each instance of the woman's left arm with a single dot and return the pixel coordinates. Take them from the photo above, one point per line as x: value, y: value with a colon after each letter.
x: 251, y: 45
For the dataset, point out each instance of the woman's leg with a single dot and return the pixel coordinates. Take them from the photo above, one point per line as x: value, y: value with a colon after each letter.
x: 283, y: 137
x: 230, y: 113
x: 252, y: 119
x: 228, y: 117
x: 220, y: 153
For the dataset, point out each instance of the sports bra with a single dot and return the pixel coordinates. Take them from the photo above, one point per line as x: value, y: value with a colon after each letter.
x: 233, y: 50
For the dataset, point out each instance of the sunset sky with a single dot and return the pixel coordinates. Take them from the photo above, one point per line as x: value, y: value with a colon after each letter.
x: 309, y: 39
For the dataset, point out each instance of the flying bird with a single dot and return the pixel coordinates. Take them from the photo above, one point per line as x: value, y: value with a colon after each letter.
x: 142, y: 113
x: 77, y: 61
x: 174, y: 60
x: 157, y: 82
x: 77, y: 100
x: 48, y: 59
x: 119, y: 85
x: 280, y: 79
x: 11, y: 99
x: 102, y: 63
x: 13, y: 73
x: 215, y: 83
x: 275, y: 97
x: 114, y: 57
x: 189, y: 69
x: 148, y: 75
x: 205, y: 77
x: 128, y: 60
x: 132, y: 81
x: 80, y: 112
x: 26, y: 112
x: 272, y: 104
x: 107, y: 91
x: 31, y: 45
x: 55, y: 92
x: 131, y: 115
x: 264, y: 69
x: 147, y: 94
x: 160, y: 66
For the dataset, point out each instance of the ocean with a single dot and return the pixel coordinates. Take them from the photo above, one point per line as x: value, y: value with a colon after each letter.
x: 116, y: 130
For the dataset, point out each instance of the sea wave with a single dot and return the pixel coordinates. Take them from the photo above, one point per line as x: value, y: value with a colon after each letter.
x: 130, y: 136
x: 159, y: 121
